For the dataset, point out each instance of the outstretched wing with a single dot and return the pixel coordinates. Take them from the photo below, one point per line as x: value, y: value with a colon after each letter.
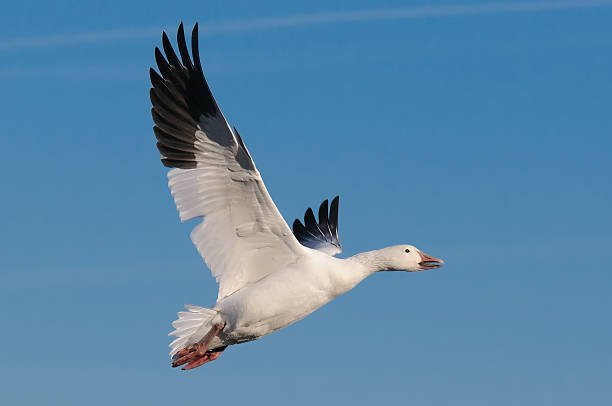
x: 242, y: 236
x: 322, y: 236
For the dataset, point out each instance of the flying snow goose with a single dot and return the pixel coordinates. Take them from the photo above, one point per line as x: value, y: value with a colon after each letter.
x: 269, y: 275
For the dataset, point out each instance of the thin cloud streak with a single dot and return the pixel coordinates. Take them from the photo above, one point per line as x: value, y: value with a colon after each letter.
x: 301, y: 20
x: 79, y: 38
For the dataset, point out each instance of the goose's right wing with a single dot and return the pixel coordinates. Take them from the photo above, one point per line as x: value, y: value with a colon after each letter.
x: 242, y: 236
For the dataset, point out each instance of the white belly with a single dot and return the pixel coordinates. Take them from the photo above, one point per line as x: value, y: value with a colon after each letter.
x: 279, y: 300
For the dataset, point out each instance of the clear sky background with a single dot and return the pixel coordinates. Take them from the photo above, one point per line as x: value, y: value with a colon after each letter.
x: 479, y: 132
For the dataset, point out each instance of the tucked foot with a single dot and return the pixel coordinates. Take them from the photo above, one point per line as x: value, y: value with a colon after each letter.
x: 207, y: 357
x: 197, y: 354
x: 189, y: 354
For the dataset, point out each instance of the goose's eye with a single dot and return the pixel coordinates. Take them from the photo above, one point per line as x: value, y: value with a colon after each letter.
x: 407, y: 250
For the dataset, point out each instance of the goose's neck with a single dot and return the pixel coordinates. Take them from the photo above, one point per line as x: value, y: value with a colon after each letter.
x: 370, y: 262
x: 353, y: 270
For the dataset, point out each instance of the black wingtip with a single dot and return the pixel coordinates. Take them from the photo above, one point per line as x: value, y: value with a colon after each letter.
x: 322, y: 235
x: 296, y: 224
x: 323, y: 217
x: 334, y: 203
x: 170, y: 54
x: 309, y: 217
x: 180, y: 98
x: 333, y: 216
x: 162, y: 64
x: 154, y: 76
x: 182, y: 45
x: 195, y: 51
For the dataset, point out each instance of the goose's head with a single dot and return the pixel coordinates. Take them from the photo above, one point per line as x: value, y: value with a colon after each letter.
x: 409, y: 258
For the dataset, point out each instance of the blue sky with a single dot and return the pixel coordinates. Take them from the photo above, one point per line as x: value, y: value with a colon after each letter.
x: 479, y: 132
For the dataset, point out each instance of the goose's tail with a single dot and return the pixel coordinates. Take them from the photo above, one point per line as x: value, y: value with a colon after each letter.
x: 191, y: 326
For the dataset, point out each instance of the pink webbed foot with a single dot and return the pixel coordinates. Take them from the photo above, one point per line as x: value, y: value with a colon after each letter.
x: 207, y: 357
x: 197, y: 354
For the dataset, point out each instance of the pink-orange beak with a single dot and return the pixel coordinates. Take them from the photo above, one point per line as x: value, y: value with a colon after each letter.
x: 429, y: 262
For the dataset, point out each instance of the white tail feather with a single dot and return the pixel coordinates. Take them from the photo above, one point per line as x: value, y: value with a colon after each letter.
x: 188, y: 326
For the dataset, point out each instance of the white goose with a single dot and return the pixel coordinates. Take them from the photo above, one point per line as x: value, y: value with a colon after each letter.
x: 269, y: 277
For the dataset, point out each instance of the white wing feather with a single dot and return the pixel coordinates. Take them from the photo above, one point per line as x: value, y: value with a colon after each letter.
x: 242, y: 236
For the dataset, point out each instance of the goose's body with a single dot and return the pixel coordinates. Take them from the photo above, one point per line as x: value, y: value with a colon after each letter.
x: 297, y: 290
x: 269, y: 275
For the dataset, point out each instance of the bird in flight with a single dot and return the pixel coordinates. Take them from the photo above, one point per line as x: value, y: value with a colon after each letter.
x: 269, y: 275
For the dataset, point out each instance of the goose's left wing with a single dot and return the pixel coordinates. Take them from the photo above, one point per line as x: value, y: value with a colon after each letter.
x: 322, y: 236
x: 242, y: 236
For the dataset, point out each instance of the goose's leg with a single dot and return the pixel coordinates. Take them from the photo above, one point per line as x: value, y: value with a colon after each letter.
x: 198, y: 351
x: 209, y: 356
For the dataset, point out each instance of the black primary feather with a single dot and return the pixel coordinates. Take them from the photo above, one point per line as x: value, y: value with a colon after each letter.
x: 321, y: 235
x: 182, y: 101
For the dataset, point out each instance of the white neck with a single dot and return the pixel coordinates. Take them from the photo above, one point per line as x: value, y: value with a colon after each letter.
x: 352, y: 270
x: 370, y: 262
x: 355, y: 269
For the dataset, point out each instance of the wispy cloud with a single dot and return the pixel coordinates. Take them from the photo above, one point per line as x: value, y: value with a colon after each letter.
x: 299, y: 20
x: 78, y: 38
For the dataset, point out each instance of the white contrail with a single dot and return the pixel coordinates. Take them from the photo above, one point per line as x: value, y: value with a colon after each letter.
x: 259, y: 24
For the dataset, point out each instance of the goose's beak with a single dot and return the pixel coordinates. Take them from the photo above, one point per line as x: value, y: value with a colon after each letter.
x: 429, y: 262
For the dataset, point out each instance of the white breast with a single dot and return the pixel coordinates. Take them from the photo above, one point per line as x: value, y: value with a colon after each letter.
x: 285, y: 297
